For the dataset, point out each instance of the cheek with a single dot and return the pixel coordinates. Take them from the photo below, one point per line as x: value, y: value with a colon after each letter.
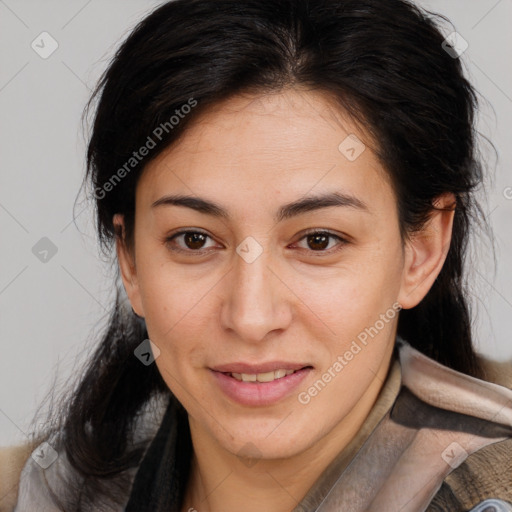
x: 178, y: 312
x: 358, y: 294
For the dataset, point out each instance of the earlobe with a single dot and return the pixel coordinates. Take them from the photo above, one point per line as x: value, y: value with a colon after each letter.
x: 127, y: 268
x: 426, y: 251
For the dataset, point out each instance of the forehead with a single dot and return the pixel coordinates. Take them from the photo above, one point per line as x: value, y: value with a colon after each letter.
x: 286, y: 144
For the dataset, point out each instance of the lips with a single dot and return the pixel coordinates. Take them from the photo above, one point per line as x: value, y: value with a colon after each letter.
x: 262, y: 377
x: 264, y: 372
x: 261, y: 384
x: 252, y: 369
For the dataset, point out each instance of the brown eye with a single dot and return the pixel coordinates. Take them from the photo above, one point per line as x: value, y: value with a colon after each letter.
x: 318, y: 241
x: 322, y: 242
x: 194, y: 240
x: 189, y: 241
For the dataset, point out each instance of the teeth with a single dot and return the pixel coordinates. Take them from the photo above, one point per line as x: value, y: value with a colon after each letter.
x: 262, y: 377
x: 265, y: 377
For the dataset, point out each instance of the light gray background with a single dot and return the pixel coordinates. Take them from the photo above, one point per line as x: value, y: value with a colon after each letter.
x: 50, y: 312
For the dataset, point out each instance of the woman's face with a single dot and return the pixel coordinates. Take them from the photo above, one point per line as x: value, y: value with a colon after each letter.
x: 291, y: 260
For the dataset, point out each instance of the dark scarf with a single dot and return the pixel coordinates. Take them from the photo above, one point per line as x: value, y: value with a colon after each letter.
x: 161, y: 479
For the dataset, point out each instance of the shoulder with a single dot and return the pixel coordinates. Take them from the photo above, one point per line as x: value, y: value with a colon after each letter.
x: 485, y: 475
x: 36, y: 476
x: 12, y: 461
x: 49, y: 483
x: 42, y: 477
x: 497, y: 372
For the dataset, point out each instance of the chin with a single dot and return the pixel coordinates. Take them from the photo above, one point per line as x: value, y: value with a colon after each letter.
x: 260, y: 445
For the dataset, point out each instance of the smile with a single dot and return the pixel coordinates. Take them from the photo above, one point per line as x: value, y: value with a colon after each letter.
x: 259, y: 388
x: 261, y: 377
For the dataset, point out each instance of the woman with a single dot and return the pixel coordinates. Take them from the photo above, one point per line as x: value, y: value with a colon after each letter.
x: 289, y: 186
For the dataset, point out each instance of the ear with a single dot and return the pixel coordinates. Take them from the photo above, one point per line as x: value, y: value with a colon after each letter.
x: 126, y: 260
x: 425, y: 252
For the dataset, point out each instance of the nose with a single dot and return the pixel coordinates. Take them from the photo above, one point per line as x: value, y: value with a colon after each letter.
x: 257, y: 302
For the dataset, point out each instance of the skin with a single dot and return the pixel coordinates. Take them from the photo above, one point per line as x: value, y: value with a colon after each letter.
x: 295, y: 302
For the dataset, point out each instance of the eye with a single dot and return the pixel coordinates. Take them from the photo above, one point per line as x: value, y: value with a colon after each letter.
x: 193, y: 241
x: 323, y: 241
x: 188, y: 241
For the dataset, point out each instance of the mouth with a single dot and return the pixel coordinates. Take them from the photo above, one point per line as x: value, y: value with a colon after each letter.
x: 260, y: 385
x: 263, y: 377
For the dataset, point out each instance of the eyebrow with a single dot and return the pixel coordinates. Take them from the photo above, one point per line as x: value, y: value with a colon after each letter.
x: 304, y: 205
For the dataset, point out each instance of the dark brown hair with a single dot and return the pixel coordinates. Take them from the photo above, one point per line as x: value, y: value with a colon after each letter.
x: 382, y: 60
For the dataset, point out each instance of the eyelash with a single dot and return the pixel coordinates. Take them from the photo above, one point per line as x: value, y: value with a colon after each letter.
x: 341, y: 242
